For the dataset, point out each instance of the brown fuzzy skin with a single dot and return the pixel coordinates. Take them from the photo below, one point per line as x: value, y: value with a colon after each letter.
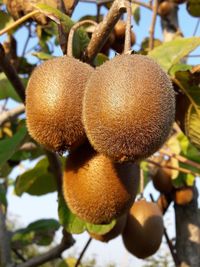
x: 128, y: 107
x: 162, y: 180
x: 114, y: 232
x: 183, y: 196
x: 165, y: 8
x: 96, y: 189
x: 143, y: 232
x: 54, y: 103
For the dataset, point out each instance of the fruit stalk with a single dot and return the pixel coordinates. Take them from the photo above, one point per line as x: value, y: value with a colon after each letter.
x: 127, y: 44
x: 102, y: 32
x: 71, y: 34
x: 169, y: 243
x: 83, y: 252
x: 153, y: 23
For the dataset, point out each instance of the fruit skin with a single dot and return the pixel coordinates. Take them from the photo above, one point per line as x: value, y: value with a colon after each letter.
x: 162, y: 180
x: 165, y: 8
x: 134, y: 101
x: 114, y: 232
x: 119, y: 33
x: 143, y: 232
x: 193, y: 8
x: 183, y: 196
x: 54, y: 103
x: 96, y: 189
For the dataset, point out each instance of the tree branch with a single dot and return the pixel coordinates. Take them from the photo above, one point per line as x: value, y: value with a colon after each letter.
x: 11, y: 74
x: 53, y: 253
x: 101, y: 33
x: 5, y: 257
x: 153, y: 24
x: 183, y: 170
x: 127, y: 43
x: 11, y: 114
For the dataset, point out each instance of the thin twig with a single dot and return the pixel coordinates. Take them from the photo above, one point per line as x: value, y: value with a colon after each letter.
x: 153, y: 24
x: 127, y: 43
x: 180, y: 158
x: 19, y: 255
x: 26, y: 42
x: 53, y: 253
x: 169, y: 243
x: 11, y: 74
x: 101, y: 34
x: 72, y: 31
x: 141, y: 182
x: 19, y: 21
x: 11, y: 114
x: 196, y: 28
x: 83, y: 252
x: 167, y: 166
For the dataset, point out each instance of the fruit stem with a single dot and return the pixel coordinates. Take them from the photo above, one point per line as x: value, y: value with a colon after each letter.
x: 127, y: 43
x: 153, y: 23
x: 72, y: 31
x: 141, y: 182
x: 19, y: 21
x: 169, y: 242
x: 83, y: 252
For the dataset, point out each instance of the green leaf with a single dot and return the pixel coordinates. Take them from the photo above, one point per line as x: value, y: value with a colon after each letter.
x: 70, y: 221
x: 40, y: 232
x: 190, y: 85
x: 170, y: 53
x: 10, y: 145
x: 5, y: 19
x: 179, y: 67
x: 37, y: 181
x: 75, y: 225
x: 7, y: 90
x: 100, y: 59
x: 42, y: 55
x: 81, y: 38
x: 136, y: 13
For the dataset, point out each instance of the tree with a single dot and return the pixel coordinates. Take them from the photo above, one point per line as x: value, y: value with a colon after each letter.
x: 50, y: 23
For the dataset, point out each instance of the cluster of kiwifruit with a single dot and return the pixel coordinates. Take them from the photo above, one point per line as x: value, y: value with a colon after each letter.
x: 162, y: 181
x: 108, y: 119
x: 166, y: 6
x: 19, y: 8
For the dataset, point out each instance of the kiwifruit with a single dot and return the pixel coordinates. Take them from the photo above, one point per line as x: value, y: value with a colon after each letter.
x: 134, y: 101
x: 97, y: 189
x: 162, y: 180
x: 54, y: 103
x: 114, y: 232
x: 165, y: 8
x: 143, y: 232
x: 119, y: 33
x: 183, y: 196
x: 193, y: 8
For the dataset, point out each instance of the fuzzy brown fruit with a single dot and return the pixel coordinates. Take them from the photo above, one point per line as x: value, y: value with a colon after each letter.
x: 143, y: 232
x: 183, y: 196
x: 134, y: 101
x: 162, y: 180
x: 114, y: 232
x: 54, y: 103
x: 96, y: 189
x: 165, y: 8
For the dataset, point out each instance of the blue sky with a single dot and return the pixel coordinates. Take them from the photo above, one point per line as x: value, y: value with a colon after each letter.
x: 27, y: 209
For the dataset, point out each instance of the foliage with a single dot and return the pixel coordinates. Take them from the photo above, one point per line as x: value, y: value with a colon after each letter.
x: 40, y: 179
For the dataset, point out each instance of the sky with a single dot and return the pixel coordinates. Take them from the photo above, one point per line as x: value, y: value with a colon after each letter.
x: 26, y: 209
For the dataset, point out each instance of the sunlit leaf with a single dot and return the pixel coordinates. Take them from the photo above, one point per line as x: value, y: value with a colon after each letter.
x: 170, y: 53
x: 9, y: 146
x: 37, y: 181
